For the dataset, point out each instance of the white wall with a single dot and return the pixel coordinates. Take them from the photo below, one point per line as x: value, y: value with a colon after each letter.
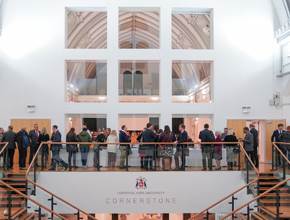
x: 32, y: 61
x: 95, y: 192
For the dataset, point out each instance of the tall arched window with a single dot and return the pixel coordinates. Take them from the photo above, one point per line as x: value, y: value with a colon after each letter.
x: 127, y: 83
x: 138, y: 83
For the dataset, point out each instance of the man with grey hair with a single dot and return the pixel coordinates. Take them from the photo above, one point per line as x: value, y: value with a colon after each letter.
x: 248, y: 145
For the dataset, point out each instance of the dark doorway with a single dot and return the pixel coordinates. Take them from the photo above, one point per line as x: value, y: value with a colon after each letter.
x: 94, y: 124
x: 175, y: 124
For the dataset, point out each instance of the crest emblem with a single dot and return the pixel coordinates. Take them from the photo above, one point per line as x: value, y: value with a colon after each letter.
x: 141, y: 183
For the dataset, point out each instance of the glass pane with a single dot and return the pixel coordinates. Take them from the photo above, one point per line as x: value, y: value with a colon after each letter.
x: 86, y: 81
x: 191, y: 81
x: 138, y: 81
x: 138, y: 30
x: 191, y: 31
x: 86, y: 30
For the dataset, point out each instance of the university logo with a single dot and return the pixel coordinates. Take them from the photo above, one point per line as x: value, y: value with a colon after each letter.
x: 141, y: 183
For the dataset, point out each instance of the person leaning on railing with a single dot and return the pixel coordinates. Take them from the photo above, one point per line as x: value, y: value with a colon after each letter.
x: 55, y: 148
x: 44, y: 137
x: 112, y: 149
x: 217, y: 154
x: 231, y: 156
x: 84, y: 148
x: 167, y: 150
x: 72, y: 149
x: 123, y: 138
x: 285, y: 137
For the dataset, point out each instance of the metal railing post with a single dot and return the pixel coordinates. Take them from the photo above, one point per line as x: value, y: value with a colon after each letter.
x: 78, y: 215
x: 70, y: 158
x: 273, y: 156
x: 277, y: 203
x: 34, y: 175
x: 155, y: 157
x: 52, y: 204
x: 127, y: 157
x: 247, y: 167
x: 98, y: 159
x: 9, y: 205
x: 233, y: 205
x: 6, y: 155
x: 284, y: 168
x: 42, y: 157
x: 240, y: 160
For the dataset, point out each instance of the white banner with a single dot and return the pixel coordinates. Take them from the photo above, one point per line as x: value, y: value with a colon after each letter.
x: 139, y: 192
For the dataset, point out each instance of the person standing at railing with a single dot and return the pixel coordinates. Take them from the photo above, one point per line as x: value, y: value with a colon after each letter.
x: 112, y: 149
x: 142, y: 154
x: 22, y: 148
x: 123, y: 138
x: 149, y: 136
x: 44, y: 137
x: 231, y: 156
x: 72, y: 149
x: 256, y: 144
x: 167, y: 150
x: 217, y: 154
x: 10, y: 137
x: 101, y: 138
x: 34, y: 143
x: 55, y: 148
x: 248, y: 145
x: 285, y: 137
x: 84, y: 148
x: 181, y: 148
x: 206, y: 149
x: 275, y: 136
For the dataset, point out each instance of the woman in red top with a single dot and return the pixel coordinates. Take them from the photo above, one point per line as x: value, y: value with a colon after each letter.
x: 217, y: 155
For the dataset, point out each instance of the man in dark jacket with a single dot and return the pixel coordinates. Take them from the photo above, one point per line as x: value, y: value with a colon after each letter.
x: 10, y: 137
x: 21, y: 148
x: 55, y: 148
x: 206, y: 149
x: 123, y: 138
x: 149, y: 136
x: 275, y: 137
x: 140, y: 139
x: 182, y: 137
x: 285, y: 137
x: 34, y: 143
x: 256, y: 144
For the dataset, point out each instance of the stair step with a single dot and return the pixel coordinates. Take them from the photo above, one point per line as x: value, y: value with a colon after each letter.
x: 13, y: 179
x: 14, y: 196
x: 280, y: 195
x: 268, y: 183
x: 269, y: 178
x: 272, y: 211
x: 14, y: 184
x: 267, y: 188
x: 27, y: 216
x: 15, y: 212
x: 260, y: 215
x: 18, y: 202
x: 282, y: 201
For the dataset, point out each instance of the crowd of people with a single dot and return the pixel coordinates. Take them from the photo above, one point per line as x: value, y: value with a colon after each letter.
x: 162, y: 154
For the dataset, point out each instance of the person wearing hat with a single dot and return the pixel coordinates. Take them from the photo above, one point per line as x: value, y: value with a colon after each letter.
x: 256, y: 144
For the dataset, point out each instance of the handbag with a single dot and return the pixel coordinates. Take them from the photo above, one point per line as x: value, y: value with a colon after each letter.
x: 161, y: 147
x: 96, y: 147
x: 236, y: 149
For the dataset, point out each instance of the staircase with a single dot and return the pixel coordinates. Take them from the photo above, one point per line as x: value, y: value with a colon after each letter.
x: 18, y: 202
x: 267, y: 209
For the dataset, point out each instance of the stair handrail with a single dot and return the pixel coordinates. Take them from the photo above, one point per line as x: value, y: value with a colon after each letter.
x: 202, y: 212
x: 32, y: 200
x: 6, y: 143
x: 277, y: 148
x: 258, y: 197
x: 35, y: 184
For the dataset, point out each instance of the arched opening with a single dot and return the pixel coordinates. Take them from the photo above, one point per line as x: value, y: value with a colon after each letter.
x: 138, y: 83
x: 127, y: 83
x: 142, y: 45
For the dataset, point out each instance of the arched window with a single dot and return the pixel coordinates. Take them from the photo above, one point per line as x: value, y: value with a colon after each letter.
x: 138, y: 83
x: 127, y: 83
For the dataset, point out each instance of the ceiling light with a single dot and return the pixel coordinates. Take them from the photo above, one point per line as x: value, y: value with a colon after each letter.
x: 203, y: 91
x: 203, y: 97
x: 102, y: 98
x: 71, y: 85
x: 154, y: 98
x: 197, y: 119
x: 195, y: 86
